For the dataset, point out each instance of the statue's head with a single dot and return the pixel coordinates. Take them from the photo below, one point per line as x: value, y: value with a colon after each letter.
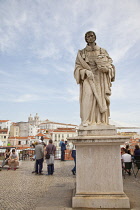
x: 90, y: 36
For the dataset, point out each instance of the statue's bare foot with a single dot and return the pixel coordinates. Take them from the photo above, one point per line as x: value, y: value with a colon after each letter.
x: 93, y: 123
x: 85, y: 124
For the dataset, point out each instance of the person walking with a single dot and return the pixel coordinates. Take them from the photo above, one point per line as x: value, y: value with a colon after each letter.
x: 73, y: 154
x: 39, y: 152
x: 63, y: 148
x: 50, y: 151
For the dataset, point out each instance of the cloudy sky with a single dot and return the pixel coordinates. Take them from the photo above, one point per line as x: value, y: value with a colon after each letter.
x: 39, y: 40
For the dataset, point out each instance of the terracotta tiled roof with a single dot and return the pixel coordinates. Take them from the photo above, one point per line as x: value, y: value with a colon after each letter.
x: 4, y: 120
x: 15, y: 124
x: 46, y: 137
x: 65, y: 128
x: 18, y: 137
x: 31, y: 136
x: 40, y: 134
x: 19, y: 147
x: 3, y: 130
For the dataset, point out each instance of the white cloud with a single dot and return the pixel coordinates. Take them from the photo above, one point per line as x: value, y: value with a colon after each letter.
x: 3, y: 73
x: 73, y: 94
x: 38, y: 69
x: 48, y: 51
x: 27, y: 98
x: 125, y: 118
x: 120, y: 90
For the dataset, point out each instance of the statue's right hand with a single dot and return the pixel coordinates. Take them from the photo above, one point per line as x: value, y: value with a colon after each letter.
x: 89, y: 74
x: 82, y: 73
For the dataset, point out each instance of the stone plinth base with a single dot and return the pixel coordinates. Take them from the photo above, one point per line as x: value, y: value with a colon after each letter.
x: 101, y: 201
x: 99, y: 181
x: 97, y: 130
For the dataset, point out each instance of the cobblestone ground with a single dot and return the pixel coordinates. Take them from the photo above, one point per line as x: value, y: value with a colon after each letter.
x: 22, y: 190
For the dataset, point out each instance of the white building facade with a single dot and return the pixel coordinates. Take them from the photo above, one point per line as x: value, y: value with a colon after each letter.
x: 5, y: 124
x: 48, y: 125
x: 4, y: 131
x: 63, y: 133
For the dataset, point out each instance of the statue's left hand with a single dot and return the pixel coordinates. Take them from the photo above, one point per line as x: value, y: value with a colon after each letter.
x: 103, y: 69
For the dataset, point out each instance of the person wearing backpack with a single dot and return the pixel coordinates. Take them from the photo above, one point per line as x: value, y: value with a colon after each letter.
x: 50, y: 152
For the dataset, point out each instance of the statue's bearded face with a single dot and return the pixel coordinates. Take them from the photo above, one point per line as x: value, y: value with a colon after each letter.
x: 90, y: 37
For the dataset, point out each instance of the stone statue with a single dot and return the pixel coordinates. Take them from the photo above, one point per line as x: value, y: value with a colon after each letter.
x: 94, y: 72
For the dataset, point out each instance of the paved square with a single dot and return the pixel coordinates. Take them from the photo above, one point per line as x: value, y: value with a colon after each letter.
x: 22, y: 190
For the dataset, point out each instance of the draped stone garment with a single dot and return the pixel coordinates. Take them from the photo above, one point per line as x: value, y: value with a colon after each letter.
x: 95, y: 92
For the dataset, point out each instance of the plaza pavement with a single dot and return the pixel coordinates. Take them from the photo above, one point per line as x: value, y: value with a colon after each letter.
x: 22, y: 190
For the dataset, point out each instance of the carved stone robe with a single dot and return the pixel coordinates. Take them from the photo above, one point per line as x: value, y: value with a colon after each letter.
x: 95, y: 92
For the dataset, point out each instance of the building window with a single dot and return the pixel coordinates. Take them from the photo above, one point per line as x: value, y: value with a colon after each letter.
x: 19, y: 142
x: 4, y: 137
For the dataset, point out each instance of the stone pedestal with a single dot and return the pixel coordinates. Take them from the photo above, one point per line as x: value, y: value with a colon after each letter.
x: 97, y: 130
x: 98, y: 171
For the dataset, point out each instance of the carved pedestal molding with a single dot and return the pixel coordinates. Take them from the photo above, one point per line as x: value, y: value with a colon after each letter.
x: 97, y: 130
x: 99, y: 181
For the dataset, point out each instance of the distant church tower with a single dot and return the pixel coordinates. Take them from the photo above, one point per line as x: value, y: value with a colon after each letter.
x: 36, y: 119
x: 30, y: 119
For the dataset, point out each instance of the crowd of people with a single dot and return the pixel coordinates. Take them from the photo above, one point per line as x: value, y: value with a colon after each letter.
x: 43, y: 151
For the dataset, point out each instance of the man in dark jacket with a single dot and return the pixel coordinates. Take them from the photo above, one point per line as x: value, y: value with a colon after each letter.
x: 63, y: 148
